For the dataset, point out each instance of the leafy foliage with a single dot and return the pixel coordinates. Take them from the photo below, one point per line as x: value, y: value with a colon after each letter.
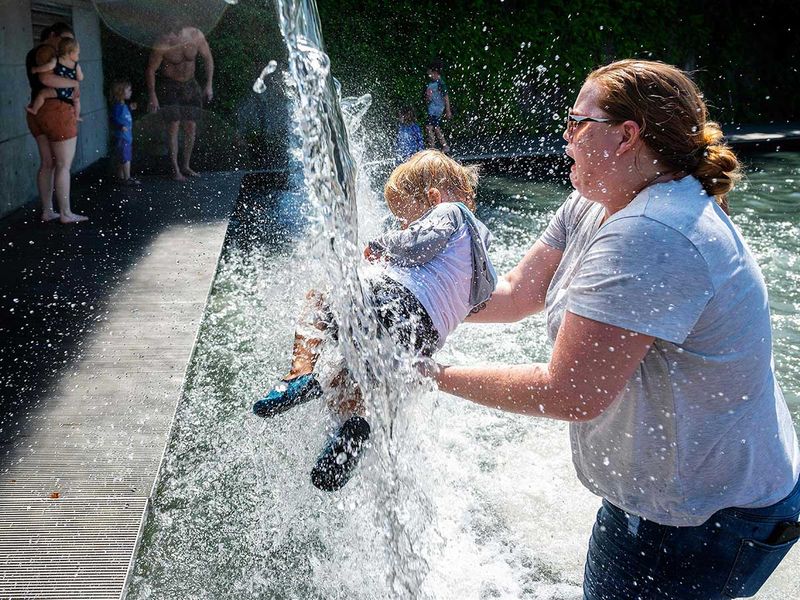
x: 512, y: 66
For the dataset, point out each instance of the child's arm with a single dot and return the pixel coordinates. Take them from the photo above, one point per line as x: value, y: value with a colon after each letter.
x: 43, y: 68
x: 447, y: 113
x: 117, y: 116
x: 78, y: 72
x: 421, y: 240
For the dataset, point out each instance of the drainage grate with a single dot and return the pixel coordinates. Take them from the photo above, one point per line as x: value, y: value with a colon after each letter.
x: 67, y: 548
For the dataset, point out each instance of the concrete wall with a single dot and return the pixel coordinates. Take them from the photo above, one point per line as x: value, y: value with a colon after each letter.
x: 19, y: 158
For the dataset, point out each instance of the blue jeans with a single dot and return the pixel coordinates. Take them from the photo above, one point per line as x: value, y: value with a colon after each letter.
x: 726, y: 557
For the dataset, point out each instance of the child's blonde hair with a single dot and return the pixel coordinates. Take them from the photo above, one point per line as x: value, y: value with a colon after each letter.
x: 67, y: 46
x: 117, y: 91
x: 432, y: 169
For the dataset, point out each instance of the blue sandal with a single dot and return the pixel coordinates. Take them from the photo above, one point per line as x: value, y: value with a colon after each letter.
x: 341, y: 455
x: 287, y: 394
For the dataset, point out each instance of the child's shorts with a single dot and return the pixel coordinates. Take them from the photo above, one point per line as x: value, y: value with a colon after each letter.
x: 434, y: 120
x: 123, y: 150
x: 400, y: 314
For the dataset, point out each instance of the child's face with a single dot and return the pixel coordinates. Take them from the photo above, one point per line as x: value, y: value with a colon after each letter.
x: 433, y: 75
x: 74, y: 55
x: 128, y: 93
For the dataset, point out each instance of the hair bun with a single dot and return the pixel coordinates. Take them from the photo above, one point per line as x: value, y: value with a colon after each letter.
x: 718, y: 169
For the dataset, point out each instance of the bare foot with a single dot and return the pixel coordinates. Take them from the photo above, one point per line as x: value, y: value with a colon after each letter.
x: 72, y: 218
x: 49, y: 216
x: 178, y: 176
x: 190, y: 172
x: 31, y: 110
x: 79, y: 119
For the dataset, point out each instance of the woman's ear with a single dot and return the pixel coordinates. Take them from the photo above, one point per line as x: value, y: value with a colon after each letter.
x: 631, y: 134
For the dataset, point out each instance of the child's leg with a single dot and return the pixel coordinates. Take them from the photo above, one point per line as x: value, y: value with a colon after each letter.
x: 120, y: 170
x: 442, y: 140
x: 309, y: 336
x: 126, y: 170
x: 348, y: 400
x: 431, y: 136
x: 39, y: 100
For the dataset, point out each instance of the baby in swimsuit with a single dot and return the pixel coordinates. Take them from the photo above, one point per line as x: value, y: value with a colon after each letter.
x: 64, y: 65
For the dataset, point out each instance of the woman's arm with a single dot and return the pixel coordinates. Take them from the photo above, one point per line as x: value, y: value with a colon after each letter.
x: 592, y: 363
x: 51, y: 80
x: 521, y: 292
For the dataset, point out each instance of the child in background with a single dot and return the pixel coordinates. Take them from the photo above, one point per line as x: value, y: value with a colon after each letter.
x: 431, y: 273
x: 438, y: 102
x: 122, y: 129
x: 409, y: 135
x: 64, y: 65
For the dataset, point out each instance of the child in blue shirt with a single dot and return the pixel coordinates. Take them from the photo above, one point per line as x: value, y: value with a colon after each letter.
x: 438, y: 101
x: 409, y: 135
x: 122, y: 129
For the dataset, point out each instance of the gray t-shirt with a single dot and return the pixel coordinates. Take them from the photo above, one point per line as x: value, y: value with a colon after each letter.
x: 702, y: 425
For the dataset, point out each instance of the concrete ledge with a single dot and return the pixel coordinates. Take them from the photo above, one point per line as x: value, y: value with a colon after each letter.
x: 103, y: 321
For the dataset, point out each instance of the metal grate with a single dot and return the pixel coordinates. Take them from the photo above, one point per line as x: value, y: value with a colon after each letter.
x: 67, y: 548
x: 44, y: 14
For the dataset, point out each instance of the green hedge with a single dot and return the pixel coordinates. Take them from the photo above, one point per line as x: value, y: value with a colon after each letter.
x: 511, y: 64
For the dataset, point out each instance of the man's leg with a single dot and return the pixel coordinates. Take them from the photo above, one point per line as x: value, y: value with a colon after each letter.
x: 172, y: 133
x: 189, y: 134
x: 64, y: 153
x: 44, y: 178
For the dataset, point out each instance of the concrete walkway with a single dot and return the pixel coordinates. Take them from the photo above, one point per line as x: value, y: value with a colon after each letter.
x: 97, y: 322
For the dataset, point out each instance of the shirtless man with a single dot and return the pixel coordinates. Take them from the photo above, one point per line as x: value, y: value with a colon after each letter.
x: 175, y: 92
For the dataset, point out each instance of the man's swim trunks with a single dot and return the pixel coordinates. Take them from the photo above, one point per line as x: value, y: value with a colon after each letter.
x: 179, y: 100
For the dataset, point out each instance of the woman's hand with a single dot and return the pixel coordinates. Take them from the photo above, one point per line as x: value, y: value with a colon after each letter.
x: 152, y: 105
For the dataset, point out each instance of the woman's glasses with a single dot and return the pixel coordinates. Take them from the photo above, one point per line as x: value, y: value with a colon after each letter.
x: 573, y: 121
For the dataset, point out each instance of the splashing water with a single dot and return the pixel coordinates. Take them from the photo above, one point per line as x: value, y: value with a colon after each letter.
x: 260, y: 86
x: 386, y: 380
x: 460, y: 502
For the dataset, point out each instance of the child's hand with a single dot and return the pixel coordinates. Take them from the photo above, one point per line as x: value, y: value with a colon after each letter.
x: 133, y: 106
x: 448, y: 115
x: 124, y: 129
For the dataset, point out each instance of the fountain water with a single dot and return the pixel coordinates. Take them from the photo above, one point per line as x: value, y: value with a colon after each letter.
x: 453, y: 500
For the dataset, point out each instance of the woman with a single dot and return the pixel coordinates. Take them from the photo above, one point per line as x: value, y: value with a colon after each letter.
x: 55, y: 128
x: 662, y: 357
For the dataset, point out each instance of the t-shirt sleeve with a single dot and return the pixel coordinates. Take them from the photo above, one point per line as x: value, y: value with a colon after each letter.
x: 641, y: 275
x: 555, y: 235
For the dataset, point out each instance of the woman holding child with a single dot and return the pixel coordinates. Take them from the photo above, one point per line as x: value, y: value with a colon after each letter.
x: 662, y: 358
x: 54, y: 126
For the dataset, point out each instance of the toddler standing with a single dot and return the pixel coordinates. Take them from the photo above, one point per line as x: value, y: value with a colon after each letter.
x: 122, y: 129
x: 409, y: 135
x: 438, y: 101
